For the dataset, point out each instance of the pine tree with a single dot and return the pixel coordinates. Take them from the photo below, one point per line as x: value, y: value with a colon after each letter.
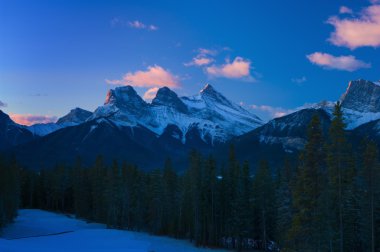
x: 246, y: 201
x: 308, y: 230
x: 9, y: 190
x: 340, y: 174
x: 196, y: 195
x: 371, y: 196
x: 170, y: 199
x: 284, y: 212
x: 98, y: 173
x: 264, y: 203
x: 82, y: 190
x: 209, y: 202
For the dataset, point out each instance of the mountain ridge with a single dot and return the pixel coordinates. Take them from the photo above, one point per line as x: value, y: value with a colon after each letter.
x: 171, y: 126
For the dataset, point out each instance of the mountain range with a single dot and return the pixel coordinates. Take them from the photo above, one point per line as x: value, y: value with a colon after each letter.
x: 128, y: 128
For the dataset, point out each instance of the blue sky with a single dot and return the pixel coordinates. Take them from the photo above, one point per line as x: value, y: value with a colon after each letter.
x: 272, y: 56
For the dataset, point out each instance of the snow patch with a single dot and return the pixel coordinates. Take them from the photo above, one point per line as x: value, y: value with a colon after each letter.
x: 84, y: 236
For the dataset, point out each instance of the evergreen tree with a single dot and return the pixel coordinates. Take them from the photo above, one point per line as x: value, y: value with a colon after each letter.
x: 308, y: 230
x: 196, y: 195
x: 284, y: 212
x: 371, y: 197
x: 264, y: 203
x: 170, y: 199
x: 209, y: 203
x: 9, y: 190
x: 340, y: 174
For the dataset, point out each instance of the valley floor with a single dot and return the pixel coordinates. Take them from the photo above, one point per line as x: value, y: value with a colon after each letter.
x: 36, y: 230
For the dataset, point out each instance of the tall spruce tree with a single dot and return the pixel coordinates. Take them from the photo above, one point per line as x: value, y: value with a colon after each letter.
x: 170, y: 199
x: 264, y: 203
x: 308, y: 230
x: 371, y: 197
x: 284, y: 212
x: 340, y: 175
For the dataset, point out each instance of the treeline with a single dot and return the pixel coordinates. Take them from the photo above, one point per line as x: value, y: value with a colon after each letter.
x: 9, y: 190
x: 332, y: 201
x: 204, y: 204
x: 328, y: 201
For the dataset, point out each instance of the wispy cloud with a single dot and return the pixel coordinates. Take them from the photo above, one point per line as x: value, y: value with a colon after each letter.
x: 361, y: 30
x: 154, y: 76
x: 139, y: 25
x: 299, y: 80
x: 204, y: 57
x: 136, y: 24
x: 344, y: 63
x: 271, y: 112
x: 345, y: 10
x: 150, y: 93
x: 238, y: 68
x: 28, y: 119
x: 2, y: 104
x: 204, y: 51
x: 200, y: 61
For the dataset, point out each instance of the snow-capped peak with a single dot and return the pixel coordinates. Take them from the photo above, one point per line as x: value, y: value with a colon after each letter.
x: 167, y: 97
x: 214, y: 116
x: 207, y: 88
x: 363, y: 96
x: 123, y: 96
x: 76, y: 115
x: 210, y: 95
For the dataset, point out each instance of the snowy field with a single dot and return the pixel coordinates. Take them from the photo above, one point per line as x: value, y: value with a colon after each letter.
x: 37, y: 230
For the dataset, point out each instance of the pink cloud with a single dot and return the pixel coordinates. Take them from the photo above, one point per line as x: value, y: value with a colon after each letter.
x: 360, y: 31
x: 154, y: 76
x: 238, y: 68
x: 205, y: 56
x: 345, y: 10
x: 150, y: 93
x: 28, y: 119
x: 345, y: 63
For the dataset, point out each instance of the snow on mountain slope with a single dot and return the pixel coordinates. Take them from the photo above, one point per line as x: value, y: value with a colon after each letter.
x: 360, y: 103
x: 214, y: 116
x: 74, y: 117
x: 290, y: 130
x: 362, y: 96
x: 42, y: 129
x: 11, y: 133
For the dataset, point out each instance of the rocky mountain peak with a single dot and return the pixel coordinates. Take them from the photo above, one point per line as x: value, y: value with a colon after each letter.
x: 124, y: 96
x: 167, y: 97
x: 76, y: 115
x: 362, y: 95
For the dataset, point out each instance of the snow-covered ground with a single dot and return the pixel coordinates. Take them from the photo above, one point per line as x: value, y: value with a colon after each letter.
x: 37, y: 230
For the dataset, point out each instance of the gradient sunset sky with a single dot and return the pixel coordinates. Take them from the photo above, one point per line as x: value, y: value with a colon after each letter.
x: 270, y: 56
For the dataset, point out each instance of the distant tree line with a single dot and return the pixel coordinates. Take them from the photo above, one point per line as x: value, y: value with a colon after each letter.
x: 329, y: 201
x: 9, y: 190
